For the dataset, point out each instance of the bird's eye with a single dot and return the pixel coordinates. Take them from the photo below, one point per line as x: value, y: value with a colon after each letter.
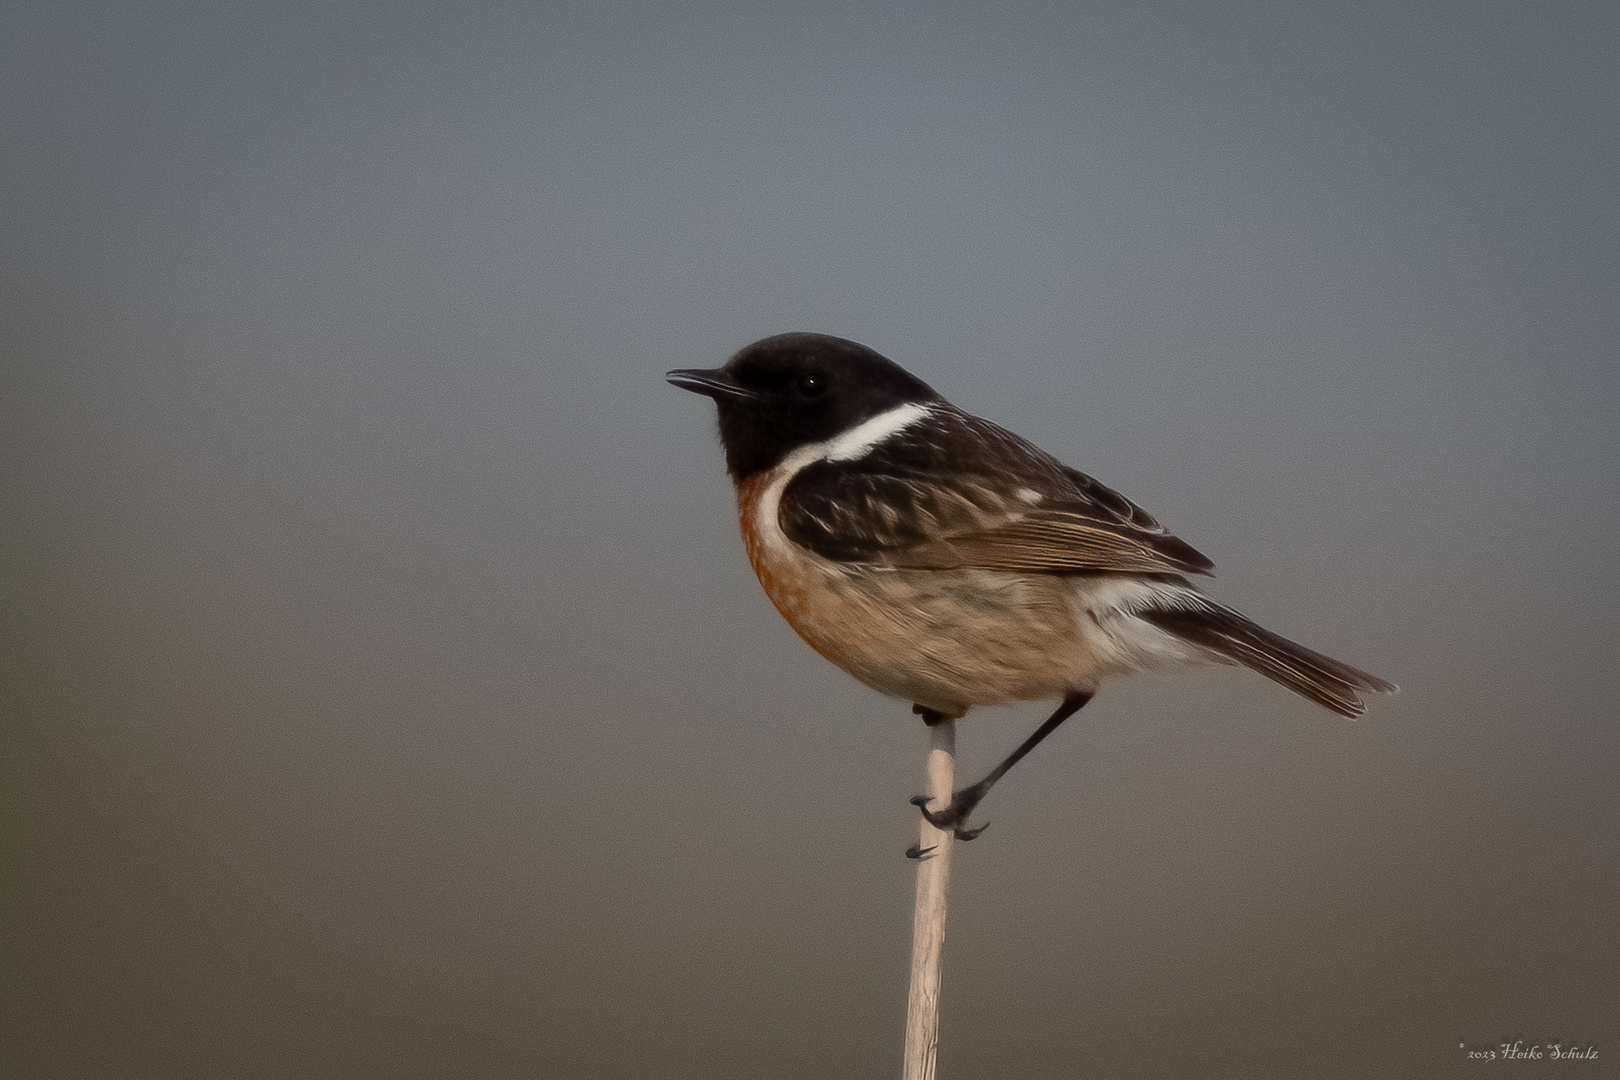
x: 810, y: 386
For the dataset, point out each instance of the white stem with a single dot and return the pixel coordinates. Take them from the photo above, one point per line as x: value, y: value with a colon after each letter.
x: 928, y: 927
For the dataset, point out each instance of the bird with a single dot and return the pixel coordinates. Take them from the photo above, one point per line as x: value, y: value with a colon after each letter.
x: 939, y: 558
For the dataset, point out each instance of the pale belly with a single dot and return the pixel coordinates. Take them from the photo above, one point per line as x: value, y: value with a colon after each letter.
x: 946, y: 640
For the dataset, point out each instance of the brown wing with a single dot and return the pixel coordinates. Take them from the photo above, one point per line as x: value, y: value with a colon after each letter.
x: 954, y: 491
x: 1056, y: 541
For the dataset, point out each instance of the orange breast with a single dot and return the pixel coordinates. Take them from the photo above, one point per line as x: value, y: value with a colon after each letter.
x: 787, y: 581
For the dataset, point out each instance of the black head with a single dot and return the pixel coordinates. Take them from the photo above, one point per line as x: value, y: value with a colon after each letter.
x: 786, y: 391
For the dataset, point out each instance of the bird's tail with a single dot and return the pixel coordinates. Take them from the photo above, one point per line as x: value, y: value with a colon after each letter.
x: 1237, y: 639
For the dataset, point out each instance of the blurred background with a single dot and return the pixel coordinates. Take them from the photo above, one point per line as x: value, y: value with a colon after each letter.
x: 385, y: 690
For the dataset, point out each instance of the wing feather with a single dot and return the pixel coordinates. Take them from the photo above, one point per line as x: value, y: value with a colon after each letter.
x: 954, y: 491
x: 1057, y: 542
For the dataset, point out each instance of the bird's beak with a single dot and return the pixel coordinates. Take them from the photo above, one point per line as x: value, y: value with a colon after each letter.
x: 716, y: 383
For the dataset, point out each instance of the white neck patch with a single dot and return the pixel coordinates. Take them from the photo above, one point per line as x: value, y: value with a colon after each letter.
x: 858, y: 441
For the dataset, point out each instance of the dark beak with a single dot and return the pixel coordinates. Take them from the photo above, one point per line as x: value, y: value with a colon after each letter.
x: 716, y: 383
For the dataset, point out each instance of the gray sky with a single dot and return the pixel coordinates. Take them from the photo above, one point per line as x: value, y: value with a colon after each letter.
x: 387, y: 693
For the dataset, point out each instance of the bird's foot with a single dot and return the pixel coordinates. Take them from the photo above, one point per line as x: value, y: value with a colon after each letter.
x: 952, y: 818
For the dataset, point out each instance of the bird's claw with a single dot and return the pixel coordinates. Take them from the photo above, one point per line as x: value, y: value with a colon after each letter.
x: 917, y: 851
x: 950, y: 819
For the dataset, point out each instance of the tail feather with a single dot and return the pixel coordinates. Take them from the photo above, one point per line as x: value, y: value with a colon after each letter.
x: 1239, y: 640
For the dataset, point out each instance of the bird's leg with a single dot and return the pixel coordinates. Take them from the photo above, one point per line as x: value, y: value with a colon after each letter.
x: 964, y: 800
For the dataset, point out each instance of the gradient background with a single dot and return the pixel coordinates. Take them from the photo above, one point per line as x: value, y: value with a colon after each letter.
x: 386, y: 694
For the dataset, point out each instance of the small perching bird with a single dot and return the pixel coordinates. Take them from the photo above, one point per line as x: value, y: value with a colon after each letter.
x: 940, y: 558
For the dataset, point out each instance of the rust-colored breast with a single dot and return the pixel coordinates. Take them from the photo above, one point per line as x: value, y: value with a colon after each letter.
x: 783, y: 574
